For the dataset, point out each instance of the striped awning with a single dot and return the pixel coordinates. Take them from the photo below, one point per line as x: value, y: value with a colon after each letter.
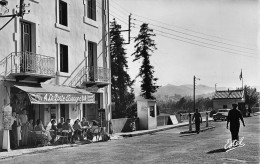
x: 56, y: 94
x: 229, y: 94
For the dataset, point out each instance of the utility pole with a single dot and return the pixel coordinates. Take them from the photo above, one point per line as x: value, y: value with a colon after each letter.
x: 129, y: 29
x: 21, y: 12
x: 194, y: 89
x: 109, y: 101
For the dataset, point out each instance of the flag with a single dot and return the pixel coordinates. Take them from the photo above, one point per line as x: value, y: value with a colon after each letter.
x: 240, y: 76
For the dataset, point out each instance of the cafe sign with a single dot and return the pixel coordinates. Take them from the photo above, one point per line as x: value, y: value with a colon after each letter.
x: 7, y: 117
x: 51, y: 98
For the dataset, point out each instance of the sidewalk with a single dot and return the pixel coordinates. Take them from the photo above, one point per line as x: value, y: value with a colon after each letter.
x: 160, y: 128
x: 20, y: 152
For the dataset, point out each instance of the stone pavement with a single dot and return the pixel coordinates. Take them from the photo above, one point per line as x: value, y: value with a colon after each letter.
x: 20, y: 152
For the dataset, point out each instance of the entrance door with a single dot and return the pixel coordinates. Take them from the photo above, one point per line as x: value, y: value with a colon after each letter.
x: 64, y: 111
x: 26, y: 37
x: 28, y: 59
x: 90, y: 111
x: 92, y: 60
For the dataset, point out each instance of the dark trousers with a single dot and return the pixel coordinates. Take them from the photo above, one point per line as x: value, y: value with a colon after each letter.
x: 234, y: 132
x: 78, y: 134
x: 197, y: 125
x: 70, y: 136
x: 13, y: 138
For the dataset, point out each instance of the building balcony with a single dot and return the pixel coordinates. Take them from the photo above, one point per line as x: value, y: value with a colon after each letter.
x: 91, y: 77
x: 28, y: 66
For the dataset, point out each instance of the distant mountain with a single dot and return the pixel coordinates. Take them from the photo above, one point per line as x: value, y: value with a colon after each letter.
x: 175, y: 92
x: 185, y: 90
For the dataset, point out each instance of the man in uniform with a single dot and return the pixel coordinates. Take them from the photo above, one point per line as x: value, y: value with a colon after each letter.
x: 233, y: 117
x: 198, y: 120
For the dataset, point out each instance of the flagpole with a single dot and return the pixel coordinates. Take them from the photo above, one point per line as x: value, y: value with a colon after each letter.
x: 242, y: 83
x: 241, y: 78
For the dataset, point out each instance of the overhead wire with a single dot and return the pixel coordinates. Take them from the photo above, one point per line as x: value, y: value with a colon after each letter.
x: 123, y: 13
x: 122, y: 8
x: 220, y: 42
x: 119, y: 19
x: 222, y: 38
x: 187, y: 29
x: 113, y: 14
x: 118, y: 15
x: 196, y: 36
x: 204, y: 46
x: 202, y: 42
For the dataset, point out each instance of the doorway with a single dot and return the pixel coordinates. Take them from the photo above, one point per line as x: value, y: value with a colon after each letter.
x: 64, y: 111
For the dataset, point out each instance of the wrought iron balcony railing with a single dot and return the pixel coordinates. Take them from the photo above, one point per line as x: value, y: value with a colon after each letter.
x: 91, y: 75
x: 27, y: 62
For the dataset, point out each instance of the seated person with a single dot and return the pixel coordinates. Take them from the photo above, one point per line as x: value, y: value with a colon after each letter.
x: 59, y: 126
x: 84, y: 122
x: 67, y: 126
x: 54, y: 130
x: 77, y: 130
x: 93, y: 128
x: 94, y: 124
x: 39, y: 127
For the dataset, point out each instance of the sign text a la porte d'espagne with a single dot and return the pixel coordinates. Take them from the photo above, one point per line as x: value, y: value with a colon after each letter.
x: 61, y: 97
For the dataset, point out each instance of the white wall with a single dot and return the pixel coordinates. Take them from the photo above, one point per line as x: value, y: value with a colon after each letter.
x: 218, y: 104
x: 48, y: 35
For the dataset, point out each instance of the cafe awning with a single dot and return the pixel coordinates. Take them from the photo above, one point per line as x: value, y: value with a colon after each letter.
x: 56, y: 94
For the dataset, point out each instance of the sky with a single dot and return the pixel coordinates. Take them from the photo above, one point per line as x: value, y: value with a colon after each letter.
x: 210, y: 39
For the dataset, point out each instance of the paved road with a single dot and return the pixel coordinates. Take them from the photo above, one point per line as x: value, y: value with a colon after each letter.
x: 162, y: 147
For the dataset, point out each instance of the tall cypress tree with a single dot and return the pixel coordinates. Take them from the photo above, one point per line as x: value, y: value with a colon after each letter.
x: 121, y: 87
x: 145, y: 46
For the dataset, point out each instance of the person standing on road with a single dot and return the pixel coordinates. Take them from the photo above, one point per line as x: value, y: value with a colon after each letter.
x: 198, y: 120
x: 233, y: 117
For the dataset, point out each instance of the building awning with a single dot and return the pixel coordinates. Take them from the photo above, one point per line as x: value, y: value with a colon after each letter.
x: 56, y: 94
x: 229, y: 94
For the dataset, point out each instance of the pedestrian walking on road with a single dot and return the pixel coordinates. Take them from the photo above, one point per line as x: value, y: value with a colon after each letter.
x: 233, y: 117
x: 198, y: 120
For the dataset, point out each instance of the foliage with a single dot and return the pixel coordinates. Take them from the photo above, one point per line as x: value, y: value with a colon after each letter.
x: 184, y: 105
x: 143, y: 48
x: 251, y: 96
x: 121, y: 87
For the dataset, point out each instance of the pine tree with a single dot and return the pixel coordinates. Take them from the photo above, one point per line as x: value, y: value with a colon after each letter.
x: 144, y: 47
x: 121, y: 87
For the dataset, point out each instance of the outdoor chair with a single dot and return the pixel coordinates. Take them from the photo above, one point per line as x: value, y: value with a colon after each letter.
x: 97, y: 131
x: 53, y: 135
x: 64, y: 135
x: 39, y: 137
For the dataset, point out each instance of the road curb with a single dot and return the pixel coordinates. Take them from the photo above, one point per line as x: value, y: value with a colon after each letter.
x: 155, y: 130
x: 201, y: 130
x: 20, y: 152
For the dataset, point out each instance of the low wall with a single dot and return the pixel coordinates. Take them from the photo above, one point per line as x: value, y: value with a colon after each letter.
x: 255, y: 109
x: 123, y: 124
x: 162, y: 120
x: 184, y: 117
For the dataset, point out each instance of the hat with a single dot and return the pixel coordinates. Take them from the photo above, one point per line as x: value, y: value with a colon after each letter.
x: 234, y: 105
